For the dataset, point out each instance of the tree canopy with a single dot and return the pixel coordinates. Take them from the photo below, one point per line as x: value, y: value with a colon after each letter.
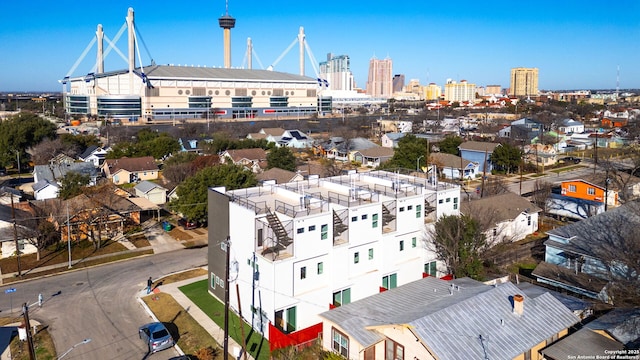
x: 459, y: 242
x: 148, y: 143
x: 20, y: 132
x: 406, y: 155
x: 282, y: 158
x: 72, y: 184
x: 192, y: 193
x: 450, y: 144
x: 506, y: 158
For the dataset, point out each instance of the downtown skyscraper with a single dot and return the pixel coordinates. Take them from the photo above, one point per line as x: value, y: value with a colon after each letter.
x: 380, y: 80
x: 524, y: 82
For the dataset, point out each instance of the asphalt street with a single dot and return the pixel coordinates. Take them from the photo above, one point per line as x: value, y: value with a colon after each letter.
x: 98, y: 303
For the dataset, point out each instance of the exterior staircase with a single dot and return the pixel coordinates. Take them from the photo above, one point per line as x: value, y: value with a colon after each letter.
x: 338, y: 225
x: 282, y: 239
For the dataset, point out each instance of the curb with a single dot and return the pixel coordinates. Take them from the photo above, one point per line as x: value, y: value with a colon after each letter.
x: 153, y: 316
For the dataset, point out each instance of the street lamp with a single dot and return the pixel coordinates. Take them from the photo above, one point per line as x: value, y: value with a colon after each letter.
x: 418, y: 162
x: 85, y: 341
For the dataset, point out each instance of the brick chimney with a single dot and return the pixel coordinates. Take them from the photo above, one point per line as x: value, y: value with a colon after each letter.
x: 518, y: 304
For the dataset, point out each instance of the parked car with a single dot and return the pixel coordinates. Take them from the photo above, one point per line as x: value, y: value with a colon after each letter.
x: 156, y: 336
x: 569, y: 159
x: 187, y: 225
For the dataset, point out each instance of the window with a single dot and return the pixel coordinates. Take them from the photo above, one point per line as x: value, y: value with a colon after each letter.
x: 572, y: 188
x: 320, y: 268
x: 340, y: 343
x: 374, y: 221
x: 448, y: 200
x: 393, y: 350
x: 285, y: 320
x: 354, y: 218
x: 529, y: 220
x: 455, y: 206
x: 440, y: 201
x: 418, y: 211
x: 591, y: 191
x: 303, y: 272
x: 402, y: 209
x: 430, y: 268
x: 342, y: 297
x: 260, y: 237
x: 495, y: 231
x: 455, y: 200
x: 371, y: 254
x: 312, y: 228
x: 324, y: 232
x: 409, y: 207
x: 401, y: 245
x: 414, y: 242
x: 356, y: 257
x: 300, y: 230
x: 390, y: 281
x: 364, y: 217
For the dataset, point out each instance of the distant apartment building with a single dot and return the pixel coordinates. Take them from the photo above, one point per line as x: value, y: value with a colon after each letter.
x: 380, y: 80
x: 398, y: 83
x: 524, y: 82
x: 337, y: 71
x: 493, y: 90
x: 459, y: 92
x: 414, y: 87
x: 432, y: 92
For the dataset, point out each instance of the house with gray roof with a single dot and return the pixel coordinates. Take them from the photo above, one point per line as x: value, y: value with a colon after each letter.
x: 509, y: 216
x: 278, y: 176
x: 478, y: 152
x: 587, y: 256
x: 570, y: 126
x: 151, y: 191
x: 454, y: 167
x: 373, y: 157
x: 95, y: 155
x: 583, y: 344
x: 436, y: 319
x: 295, y: 139
x: 56, y: 172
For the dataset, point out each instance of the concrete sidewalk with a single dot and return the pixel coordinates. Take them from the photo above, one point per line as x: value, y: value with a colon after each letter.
x: 198, y: 315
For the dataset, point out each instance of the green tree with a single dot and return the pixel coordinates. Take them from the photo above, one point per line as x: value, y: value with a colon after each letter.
x: 506, y: 158
x: 20, y: 132
x: 82, y: 142
x: 282, y: 158
x: 450, y: 144
x: 72, y: 184
x: 150, y: 143
x: 192, y: 193
x: 180, y: 158
x: 459, y: 241
x: 406, y: 155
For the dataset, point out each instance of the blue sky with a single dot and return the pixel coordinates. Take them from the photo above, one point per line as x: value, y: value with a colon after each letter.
x: 575, y: 44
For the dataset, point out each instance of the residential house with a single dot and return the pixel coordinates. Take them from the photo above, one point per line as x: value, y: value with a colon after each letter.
x: 45, y: 189
x: 540, y: 155
x: 579, y: 199
x: 343, y: 150
x: 270, y: 134
x: 295, y: 139
x: 581, y: 257
x: 130, y: 170
x: 454, y: 167
x: 190, y: 145
x: 373, y: 157
x: 479, y: 153
x: 324, y: 242
x: 583, y: 344
x: 23, y: 234
x: 512, y: 216
x: 251, y: 159
x: 94, y: 155
x: 278, y: 176
x: 61, y: 159
x: 151, y: 191
x: 390, y: 140
x: 435, y: 319
x: 570, y: 126
x: 54, y: 173
x: 522, y: 130
x: 621, y: 324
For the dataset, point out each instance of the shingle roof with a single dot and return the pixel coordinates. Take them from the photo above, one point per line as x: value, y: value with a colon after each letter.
x: 449, y: 160
x: 273, y: 131
x: 503, y: 207
x: 563, y: 275
x: 377, y: 152
x: 88, y: 152
x: 281, y: 176
x: 43, y: 184
x: 55, y: 172
x: 585, y: 342
x: 478, y: 146
x: 131, y: 164
x: 254, y: 154
x: 146, y: 186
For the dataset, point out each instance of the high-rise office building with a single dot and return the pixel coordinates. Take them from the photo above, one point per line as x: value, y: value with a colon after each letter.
x: 432, y: 92
x: 336, y: 70
x: 462, y: 91
x: 493, y: 90
x: 524, y: 82
x: 380, y: 80
x: 398, y: 83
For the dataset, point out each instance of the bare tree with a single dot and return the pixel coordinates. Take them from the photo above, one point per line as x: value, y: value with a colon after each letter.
x: 494, y: 185
x: 541, y: 195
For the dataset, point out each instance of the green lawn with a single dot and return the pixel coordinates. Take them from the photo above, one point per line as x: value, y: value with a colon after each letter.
x: 257, y: 346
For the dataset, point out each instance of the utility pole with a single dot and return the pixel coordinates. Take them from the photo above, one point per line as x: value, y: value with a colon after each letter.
x: 226, y: 300
x: 25, y: 311
x: 244, y: 339
x: 15, y: 235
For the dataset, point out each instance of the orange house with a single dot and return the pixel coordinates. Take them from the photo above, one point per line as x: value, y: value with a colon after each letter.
x: 584, y: 190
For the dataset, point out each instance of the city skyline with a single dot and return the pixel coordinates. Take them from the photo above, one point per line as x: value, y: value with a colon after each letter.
x: 573, y: 46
